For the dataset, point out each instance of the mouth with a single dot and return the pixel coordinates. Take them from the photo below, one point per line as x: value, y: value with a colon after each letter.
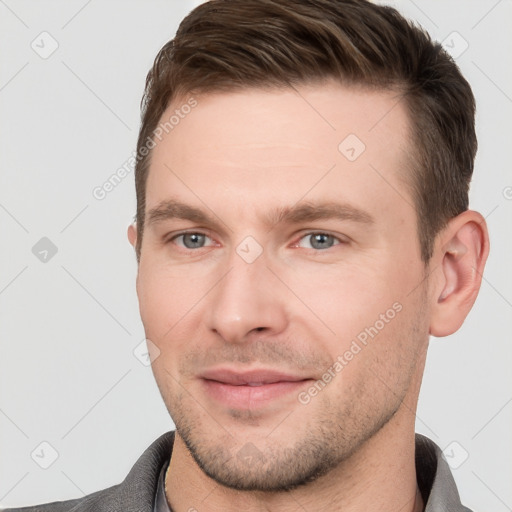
x: 250, y: 389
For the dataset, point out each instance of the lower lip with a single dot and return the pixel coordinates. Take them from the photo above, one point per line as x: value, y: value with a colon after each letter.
x: 250, y: 397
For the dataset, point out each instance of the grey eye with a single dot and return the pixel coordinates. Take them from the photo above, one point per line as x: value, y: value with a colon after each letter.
x: 321, y: 240
x: 193, y: 240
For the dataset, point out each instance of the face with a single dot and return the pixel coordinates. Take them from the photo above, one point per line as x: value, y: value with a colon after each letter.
x: 280, y: 280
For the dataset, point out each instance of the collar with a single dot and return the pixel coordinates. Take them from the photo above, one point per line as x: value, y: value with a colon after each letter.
x: 161, y: 503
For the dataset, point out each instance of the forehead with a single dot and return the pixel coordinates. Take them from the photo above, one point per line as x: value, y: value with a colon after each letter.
x: 279, y: 145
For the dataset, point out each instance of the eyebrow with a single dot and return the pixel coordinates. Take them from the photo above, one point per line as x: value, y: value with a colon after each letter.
x: 303, y: 212
x: 312, y: 211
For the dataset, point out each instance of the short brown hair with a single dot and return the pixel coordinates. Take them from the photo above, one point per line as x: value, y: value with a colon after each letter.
x: 225, y: 45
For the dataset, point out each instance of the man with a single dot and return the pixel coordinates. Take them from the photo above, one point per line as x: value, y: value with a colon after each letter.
x: 302, y: 228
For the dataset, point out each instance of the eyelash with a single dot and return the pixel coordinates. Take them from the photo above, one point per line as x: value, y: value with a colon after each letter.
x: 338, y: 239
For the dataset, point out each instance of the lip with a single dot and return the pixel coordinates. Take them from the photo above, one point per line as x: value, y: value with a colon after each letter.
x: 257, y: 376
x: 250, y: 389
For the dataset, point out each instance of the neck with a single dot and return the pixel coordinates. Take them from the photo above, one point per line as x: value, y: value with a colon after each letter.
x: 380, y: 476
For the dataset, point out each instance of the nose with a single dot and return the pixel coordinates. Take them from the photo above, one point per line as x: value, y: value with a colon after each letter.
x: 247, y: 301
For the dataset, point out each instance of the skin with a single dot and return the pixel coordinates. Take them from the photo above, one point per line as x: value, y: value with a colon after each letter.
x: 298, y: 306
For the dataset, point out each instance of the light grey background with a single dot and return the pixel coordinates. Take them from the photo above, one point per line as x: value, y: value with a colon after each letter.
x: 69, y: 326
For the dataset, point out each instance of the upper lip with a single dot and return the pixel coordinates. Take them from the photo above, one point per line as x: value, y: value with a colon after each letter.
x: 257, y: 376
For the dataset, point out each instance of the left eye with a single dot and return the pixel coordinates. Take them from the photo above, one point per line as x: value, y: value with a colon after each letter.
x: 192, y: 240
x: 318, y: 241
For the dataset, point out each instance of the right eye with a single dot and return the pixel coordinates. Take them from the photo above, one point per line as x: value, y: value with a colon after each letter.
x: 191, y: 240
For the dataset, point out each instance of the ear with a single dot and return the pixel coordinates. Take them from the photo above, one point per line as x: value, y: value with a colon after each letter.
x: 132, y: 234
x: 460, y: 254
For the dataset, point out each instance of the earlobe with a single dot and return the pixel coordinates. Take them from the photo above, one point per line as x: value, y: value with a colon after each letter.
x: 132, y: 234
x: 462, y: 253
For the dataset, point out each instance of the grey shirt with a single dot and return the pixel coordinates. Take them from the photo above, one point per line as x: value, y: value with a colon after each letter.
x: 434, y: 477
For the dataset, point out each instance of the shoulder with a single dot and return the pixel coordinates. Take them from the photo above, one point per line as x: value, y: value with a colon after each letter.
x: 74, y: 505
x: 134, y: 494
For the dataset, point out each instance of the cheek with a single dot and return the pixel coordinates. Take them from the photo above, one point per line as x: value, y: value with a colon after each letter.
x: 167, y: 295
x: 379, y: 362
x: 357, y: 306
x: 344, y: 298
